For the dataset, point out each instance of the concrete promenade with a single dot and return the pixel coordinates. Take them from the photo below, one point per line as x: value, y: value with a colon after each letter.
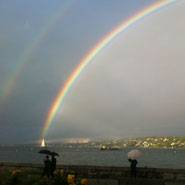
x: 108, y: 175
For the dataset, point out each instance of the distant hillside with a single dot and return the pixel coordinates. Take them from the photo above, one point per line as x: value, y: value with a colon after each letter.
x: 149, y: 142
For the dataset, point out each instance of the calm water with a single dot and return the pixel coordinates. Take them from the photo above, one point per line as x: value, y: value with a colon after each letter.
x: 160, y: 158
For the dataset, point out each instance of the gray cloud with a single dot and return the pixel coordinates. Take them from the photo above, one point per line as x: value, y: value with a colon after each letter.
x: 132, y: 88
x: 135, y: 86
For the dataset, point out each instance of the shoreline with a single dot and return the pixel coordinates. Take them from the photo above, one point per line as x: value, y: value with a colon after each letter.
x: 32, y: 146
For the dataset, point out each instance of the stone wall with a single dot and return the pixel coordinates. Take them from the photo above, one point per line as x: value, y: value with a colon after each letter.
x: 102, y: 172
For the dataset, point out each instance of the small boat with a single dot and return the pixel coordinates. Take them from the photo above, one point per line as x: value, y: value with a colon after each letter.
x: 109, y: 148
x: 103, y: 147
x: 43, y: 143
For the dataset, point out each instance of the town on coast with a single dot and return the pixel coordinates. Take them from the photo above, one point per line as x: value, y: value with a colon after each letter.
x: 140, y: 142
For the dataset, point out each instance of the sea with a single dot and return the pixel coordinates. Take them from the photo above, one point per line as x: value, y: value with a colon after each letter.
x: 76, y: 155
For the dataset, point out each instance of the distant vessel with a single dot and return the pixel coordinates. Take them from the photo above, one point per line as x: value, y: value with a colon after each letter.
x: 103, y: 147
x: 109, y: 148
x: 43, y: 143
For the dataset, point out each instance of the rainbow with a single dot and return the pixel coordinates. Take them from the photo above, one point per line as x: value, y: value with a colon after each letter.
x: 91, y: 55
x: 7, y: 89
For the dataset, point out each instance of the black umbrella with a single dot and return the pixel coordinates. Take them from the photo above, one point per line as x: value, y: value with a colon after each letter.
x: 47, y: 152
x: 54, y: 153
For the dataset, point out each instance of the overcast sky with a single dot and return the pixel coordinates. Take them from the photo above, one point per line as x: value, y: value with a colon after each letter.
x: 134, y: 87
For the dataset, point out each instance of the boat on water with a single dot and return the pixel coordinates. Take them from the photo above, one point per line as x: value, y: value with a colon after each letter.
x: 43, y: 143
x: 103, y: 147
x: 109, y: 148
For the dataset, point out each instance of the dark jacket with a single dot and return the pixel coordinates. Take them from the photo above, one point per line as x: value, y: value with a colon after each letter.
x: 133, y: 163
x: 47, y: 164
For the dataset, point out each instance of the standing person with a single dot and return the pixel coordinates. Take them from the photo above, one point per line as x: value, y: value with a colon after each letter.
x: 47, y: 164
x: 133, y: 163
x: 53, y: 164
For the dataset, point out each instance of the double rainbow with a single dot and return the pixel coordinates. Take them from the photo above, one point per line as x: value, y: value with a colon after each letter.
x: 26, y: 56
x: 91, y: 55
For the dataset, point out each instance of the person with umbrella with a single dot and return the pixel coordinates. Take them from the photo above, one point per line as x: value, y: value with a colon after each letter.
x: 53, y: 164
x: 133, y: 163
x: 47, y: 165
x: 132, y: 156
